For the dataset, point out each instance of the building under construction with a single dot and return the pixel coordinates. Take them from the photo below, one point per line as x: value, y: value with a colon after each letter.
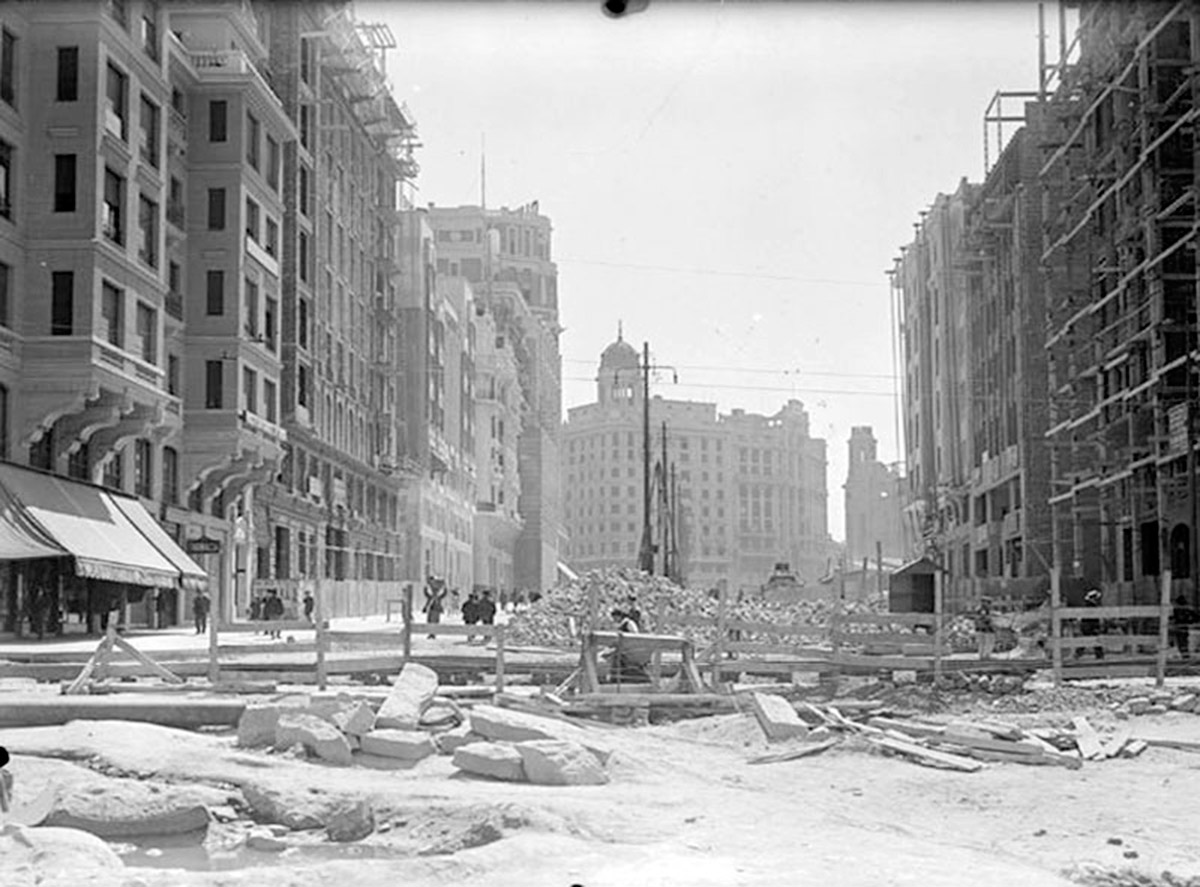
x: 1118, y: 182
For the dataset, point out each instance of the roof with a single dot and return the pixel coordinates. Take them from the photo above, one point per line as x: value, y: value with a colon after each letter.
x: 922, y: 566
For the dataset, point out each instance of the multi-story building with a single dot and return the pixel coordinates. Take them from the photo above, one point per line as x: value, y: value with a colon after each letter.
x: 1120, y: 258
x: 750, y: 488
x: 975, y: 378
x: 179, y: 321
x: 332, y: 512
x: 875, y: 500
x: 506, y: 256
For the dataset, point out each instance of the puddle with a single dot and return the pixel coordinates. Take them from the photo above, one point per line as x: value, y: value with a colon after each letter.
x: 190, y: 852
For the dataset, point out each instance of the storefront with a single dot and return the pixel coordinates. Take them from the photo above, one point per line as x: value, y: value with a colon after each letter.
x: 74, y: 554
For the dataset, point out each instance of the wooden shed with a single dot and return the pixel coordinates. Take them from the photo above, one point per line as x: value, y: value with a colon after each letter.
x: 911, y: 588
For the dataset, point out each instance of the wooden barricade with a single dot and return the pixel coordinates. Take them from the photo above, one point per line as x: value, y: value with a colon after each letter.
x: 486, y: 632
x: 1119, y: 647
x: 319, y: 646
x: 874, y: 636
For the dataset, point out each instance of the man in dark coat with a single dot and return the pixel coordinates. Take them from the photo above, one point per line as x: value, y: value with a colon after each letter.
x: 470, y: 611
x: 200, y: 607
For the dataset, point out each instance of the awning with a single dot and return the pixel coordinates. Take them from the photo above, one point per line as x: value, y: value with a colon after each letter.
x: 20, y: 539
x: 192, y: 576
x: 87, y: 524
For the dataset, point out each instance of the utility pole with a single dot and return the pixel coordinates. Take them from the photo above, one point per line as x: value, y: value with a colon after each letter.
x: 646, y: 553
x: 676, y: 565
x: 1193, y: 504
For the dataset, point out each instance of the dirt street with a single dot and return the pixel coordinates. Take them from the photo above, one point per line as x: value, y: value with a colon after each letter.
x: 684, y: 807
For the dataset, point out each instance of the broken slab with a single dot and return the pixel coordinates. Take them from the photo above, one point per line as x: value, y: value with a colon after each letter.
x: 451, y: 740
x: 1087, y: 738
x: 1186, y: 702
x: 256, y: 726
x: 777, y: 717
x: 927, y: 756
x: 410, y: 696
x: 505, y: 725
x: 560, y: 762
x: 131, y: 809
x: 497, y: 760
x: 351, y: 822
x: 406, y: 745
x: 1138, y: 705
x: 262, y: 840
x: 318, y: 737
x: 57, y: 856
x: 356, y: 720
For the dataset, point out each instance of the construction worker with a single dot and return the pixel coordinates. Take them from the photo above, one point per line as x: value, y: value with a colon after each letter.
x: 985, y: 629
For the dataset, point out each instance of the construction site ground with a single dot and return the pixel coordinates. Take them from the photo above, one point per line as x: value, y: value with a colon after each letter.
x: 684, y: 807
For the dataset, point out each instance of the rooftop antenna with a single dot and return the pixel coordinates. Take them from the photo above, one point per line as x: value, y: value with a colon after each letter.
x: 620, y: 332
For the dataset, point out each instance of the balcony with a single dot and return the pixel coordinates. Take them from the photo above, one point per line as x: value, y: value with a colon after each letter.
x: 229, y: 64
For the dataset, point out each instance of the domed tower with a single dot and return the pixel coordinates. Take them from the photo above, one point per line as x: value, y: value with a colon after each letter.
x: 618, y: 380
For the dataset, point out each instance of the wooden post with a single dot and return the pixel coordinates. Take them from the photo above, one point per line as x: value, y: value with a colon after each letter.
x: 835, y: 627
x: 214, y: 661
x: 594, y: 604
x: 718, y: 648
x: 499, y: 658
x: 1164, y: 614
x: 879, y: 567
x: 406, y: 613
x: 1056, y: 623
x: 939, y: 604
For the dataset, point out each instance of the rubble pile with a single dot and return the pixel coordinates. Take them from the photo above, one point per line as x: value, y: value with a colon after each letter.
x: 548, y: 622
x: 964, y: 745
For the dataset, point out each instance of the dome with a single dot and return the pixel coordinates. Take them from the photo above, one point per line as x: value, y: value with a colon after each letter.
x: 619, y: 355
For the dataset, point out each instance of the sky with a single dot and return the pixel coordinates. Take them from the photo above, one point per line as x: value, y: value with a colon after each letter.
x: 729, y: 181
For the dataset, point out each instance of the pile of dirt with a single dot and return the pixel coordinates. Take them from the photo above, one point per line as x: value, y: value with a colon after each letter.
x: 1092, y: 876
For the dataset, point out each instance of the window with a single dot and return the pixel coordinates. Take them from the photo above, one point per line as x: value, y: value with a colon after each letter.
x: 302, y: 323
x: 170, y: 476
x: 8, y: 67
x: 302, y: 199
x: 216, y: 209
x: 177, y: 102
x: 68, y: 74
x: 114, y: 198
x: 215, y: 293
x: 273, y: 164
x: 269, y: 397
x: 62, y: 303
x: 272, y: 237
x: 306, y: 127
x: 174, y: 278
x: 148, y: 229
x: 303, y: 256
x: 6, y: 179
x: 251, y: 219
x: 175, y: 211
x: 64, y: 183
x: 214, y: 372
x: 149, y: 121
x: 173, y: 374
x: 249, y: 390
x: 253, y: 136
x: 251, y: 326
x: 116, y: 115
x: 283, y: 551
x: 111, y: 315
x: 269, y: 325
x: 150, y: 30
x: 147, y: 330
x: 113, y: 475
x: 302, y: 385
x: 142, y: 455
x: 217, y: 124
x: 305, y: 62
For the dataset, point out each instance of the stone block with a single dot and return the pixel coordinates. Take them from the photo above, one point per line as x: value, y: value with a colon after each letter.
x: 262, y: 840
x: 1186, y: 702
x: 407, y: 745
x: 498, y: 760
x: 559, y: 762
x: 256, y: 726
x: 318, y: 737
x: 356, y: 720
x: 1138, y: 705
x: 777, y: 717
x: 410, y: 696
x: 454, y: 739
x: 504, y: 725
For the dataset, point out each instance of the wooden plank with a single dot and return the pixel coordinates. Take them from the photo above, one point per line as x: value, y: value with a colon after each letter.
x: 998, y: 729
x: 927, y: 756
x: 796, y: 753
x: 1087, y: 739
x: 895, y: 638
x: 1140, y: 612
x: 1107, y: 640
x: 757, y: 648
x: 888, y: 619
x: 1042, y: 760
x: 989, y: 743
x: 910, y: 728
x: 389, y: 639
x: 1180, y: 744
x: 76, y: 686
x: 273, y: 625
x: 756, y: 626
x: 1134, y: 748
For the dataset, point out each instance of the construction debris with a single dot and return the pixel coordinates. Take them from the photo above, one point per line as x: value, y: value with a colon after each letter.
x: 803, y: 751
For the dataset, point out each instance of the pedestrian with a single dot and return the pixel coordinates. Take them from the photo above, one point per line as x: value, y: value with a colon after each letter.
x: 200, y: 607
x: 487, y: 608
x: 470, y: 611
x: 633, y: 613
x: 309, y: 605
x: 256, y: 608
x: 435, y: 596
x: 273, y: 611
x: 1091, y: 627
x: 985, y: 629
x: 1183, y: 617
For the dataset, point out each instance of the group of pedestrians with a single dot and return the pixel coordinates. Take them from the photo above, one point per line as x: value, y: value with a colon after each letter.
x: 478, y: 609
